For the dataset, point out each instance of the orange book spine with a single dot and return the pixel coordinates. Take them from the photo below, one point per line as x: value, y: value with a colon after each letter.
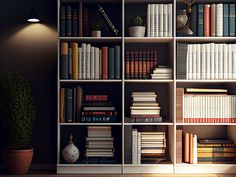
x: 207, y: 20
x: 62, y: 105
x: 104, y: 62
x: 190, y: 148
x: 75, y: 66
x: 127, y: 65
x: 186, y: 147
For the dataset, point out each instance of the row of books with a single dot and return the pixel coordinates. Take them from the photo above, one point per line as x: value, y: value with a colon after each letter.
x: 99, y: 142
x: 145, y: 108
x: 159, y: 20
x: 89, y: 62
x: 69, y: 21
x: 147, y: 146
x: 213, y: 20
x: 206, y: 61
x: 140, y: 64
x: 205, y: 106
x: 190, y: 148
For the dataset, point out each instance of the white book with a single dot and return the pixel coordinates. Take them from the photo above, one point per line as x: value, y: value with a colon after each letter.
x: 92, y: 63
x: 165, y: 20
x: 198, y: 61
x: 194, y: 149
x: 148, y: 20
x: 80, y: 62
x: 152, y: 20
x: 88, y: 61
x: 216, y: 61
x: 169, y: 20
x: 156, y: 19
x: 190, y: 59
x: 134, y: 146
x: 139, y: 148
x: 212, y: 61
x: 187, y: 63
x: 194, y: 61
x: 219, y: 20
x: 208, y: 61
x: 96, y: 63
x: 160, y: 26
x: 221, y: 57
x: 203, y: 61
x: 234, y: 61
x: 230, y: 68
x: 100, y: 63
x: 84, y: 53
x: 225, y: 61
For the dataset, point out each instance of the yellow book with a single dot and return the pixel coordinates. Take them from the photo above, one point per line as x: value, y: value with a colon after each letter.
x: 75, y: 66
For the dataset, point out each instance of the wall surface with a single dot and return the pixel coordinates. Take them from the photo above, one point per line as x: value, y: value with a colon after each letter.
x: 32, y: 50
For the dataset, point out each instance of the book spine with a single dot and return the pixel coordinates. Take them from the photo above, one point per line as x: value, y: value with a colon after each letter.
x: 88, y: 61
x: 80, y: 62
x: 104, y: 63
x: 186, y: 148
x: 152, y: 34
x: 79, y: 97
x: 213, y: 20
x: 136, y: 66
x: 96, y: 63
x: 69, y: 105
x: 200, y: 20
x: 165, y: 20
x: 70, y: 61
x: 92, y: 62
x: 64, y: 61
x: 74, y: 22
x: 68, y: 21
x: 190, y: 148
x: 111, y: 63
x: 117, y: 62
x: 156, y: 20
x: 127, y: 64
x: 198, y: 61
x: 212, y: 51
x: 231, y: 19
x: 63, y: 21
x: 219, y: 20
x: 140, y: 64
x: 75, y: 61
x: 85, y: 22
x: 226, y: 19
x: 161, y: 19
x: 230, y: 70
x: 134, y: 146
x: 225, y: 61
x: 62, y: 105
x: 170, y: 26
x: 132, y: 68
x: 206, y: 20
x: 148, y: 20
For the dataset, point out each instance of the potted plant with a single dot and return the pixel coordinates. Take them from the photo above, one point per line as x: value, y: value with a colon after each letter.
x: 137, y: 28
x: 17, y: 116
x: 96, y: 29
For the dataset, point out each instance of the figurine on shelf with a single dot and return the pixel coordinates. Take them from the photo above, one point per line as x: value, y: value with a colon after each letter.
x: 70, y: 153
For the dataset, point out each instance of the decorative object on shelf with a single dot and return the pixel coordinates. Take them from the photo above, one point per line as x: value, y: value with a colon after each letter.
x: 17, y: 117
x: 182, y: 23
x: 70, y: 153
x: 96, y: 29
x: 137, y: 28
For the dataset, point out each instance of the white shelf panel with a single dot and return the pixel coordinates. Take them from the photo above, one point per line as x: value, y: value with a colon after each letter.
x: 92, y: 39
x: 148, y: 81
x: 207, y: 1
x: 88, y: 168
x: 206, y: 39
x: 99, y: 123
x: 148, y: 39
x: 74, y: 81
x: 149, y: 168
x: 205, y: 168
x: 203, y: 81
x: 205, y: 123
x: 161, y: 123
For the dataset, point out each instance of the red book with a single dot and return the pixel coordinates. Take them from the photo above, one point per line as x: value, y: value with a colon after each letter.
x: 136, y: 65
x: 191, y: 148
x: 104, y: 62
x: 207, y: 22
x: 127, y: 65
x: 186, y: 148
x: 132, y: 68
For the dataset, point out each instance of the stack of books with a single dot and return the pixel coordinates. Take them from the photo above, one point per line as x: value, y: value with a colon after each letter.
x: 213, y: 20
x: 98, y: 108
x: 89, y: 62
x: 206, y: 61
x: 216, y: 151
x: 99, y: 144
x: 159, y: 20
x: 162, y: 72
x: 190, y: 148
x: 148, y: 147
x: 145, y: 108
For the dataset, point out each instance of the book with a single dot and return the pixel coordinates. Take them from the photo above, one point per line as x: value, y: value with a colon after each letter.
x: 68, y: 21
x: 69, y: 105
x: 104, y: 63
x: 117, y: 62
x: 75, y: 61
x: 232, y: 19
x: 63, y: 21
x: 62, y: 105
x: 219, y: 20
x: 111, y: 63
x: 226, y: 19
x: 75, y: 22
x: 85, y: 22
x: 64, y: 61
x: 206, y: 20
x: 79, y: 99
x: 204, y: 90
x: 186, y: 148
x: 213, y: 20
x: 179, y: 146
x: 200, y: 24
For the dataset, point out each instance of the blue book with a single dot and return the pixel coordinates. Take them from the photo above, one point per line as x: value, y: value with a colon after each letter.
x: 75, y: 23
x: 193, y: 20
x: 64, y: 62
x: 200, y: 20
x: 111, y: 63
x: 117, y: 62
x: 226, y: 19
x: 68, y: 21
x: 231, y: 20
x: 63, y: 22
x: 69, y: 105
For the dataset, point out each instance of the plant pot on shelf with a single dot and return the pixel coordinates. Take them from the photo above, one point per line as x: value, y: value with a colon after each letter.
x: 96, y: 33
x: 18, y: 162
x: 136, y: 31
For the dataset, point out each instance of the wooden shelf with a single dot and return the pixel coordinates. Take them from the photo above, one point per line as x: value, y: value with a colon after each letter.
x: 148, y: 39
x: 150, y: 124
x: 206, y: 39
x: 148, y: 81
x: 231, y: 124
x: 92, y: 39
x: 205, y: 81
x: 91, y: 81
x: 86, y: 124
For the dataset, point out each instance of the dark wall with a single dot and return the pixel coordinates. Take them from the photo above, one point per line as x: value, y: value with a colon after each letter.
x: 31, y: 49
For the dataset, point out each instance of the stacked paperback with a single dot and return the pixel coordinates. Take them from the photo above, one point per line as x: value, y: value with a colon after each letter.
x: 99, y: 144
x: 98, y: 108
x: 159, y: 20
x: 213, y: 20
x: 145, y: 108
x: 216, y: 151
x: 148, y: 147
x: 190, y: 148
x: 162, y: 72
x: 206, y: 61
x: 89, y: 62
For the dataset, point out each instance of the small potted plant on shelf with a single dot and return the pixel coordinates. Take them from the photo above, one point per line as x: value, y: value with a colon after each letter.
x: 96, y: 29
x: 17, y: 116
x: 137, y: 28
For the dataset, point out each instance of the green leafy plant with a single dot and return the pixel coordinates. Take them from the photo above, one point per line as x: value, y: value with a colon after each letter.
x: 97, y: 26
x: 137, y: 21
x: 17, y: 111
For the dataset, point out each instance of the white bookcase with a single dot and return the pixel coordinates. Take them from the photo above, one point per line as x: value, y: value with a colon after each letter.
x: 167, y: 88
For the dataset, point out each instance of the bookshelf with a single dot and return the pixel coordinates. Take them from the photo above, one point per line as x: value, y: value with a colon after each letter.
x: 122, y: 88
